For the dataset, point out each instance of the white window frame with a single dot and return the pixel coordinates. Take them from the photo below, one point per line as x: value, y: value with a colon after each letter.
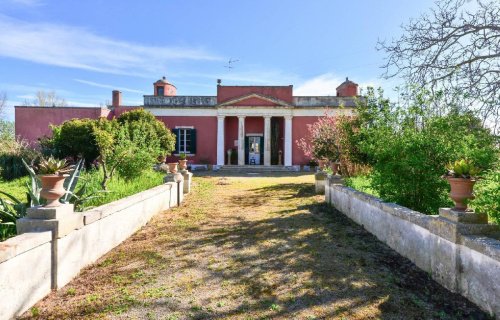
x: 186, y: 152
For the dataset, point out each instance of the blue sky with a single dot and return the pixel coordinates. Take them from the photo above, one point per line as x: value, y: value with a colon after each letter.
x: 84, y: 49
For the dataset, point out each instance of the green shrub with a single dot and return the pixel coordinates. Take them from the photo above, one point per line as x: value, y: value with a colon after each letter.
x: 152, y: 128
x: 11, y: 154
x: 409, y: 149
x: 73, y: 138
x: 129, y: 144
x: 487, y: 191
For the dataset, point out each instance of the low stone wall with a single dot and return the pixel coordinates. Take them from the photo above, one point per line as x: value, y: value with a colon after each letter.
x: 449, y: 250
x: 31, y: 264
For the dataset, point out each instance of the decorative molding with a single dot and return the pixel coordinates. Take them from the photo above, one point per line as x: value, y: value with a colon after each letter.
x: 184, y: 127
x: 180, y: 101
x: 279, y: 102
x: 247, y: 111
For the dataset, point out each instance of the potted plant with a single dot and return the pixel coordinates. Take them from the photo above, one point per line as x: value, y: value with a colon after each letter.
x: 322, y: 163
x: 461, y: 176
x: 172, y: 167
x: 161, y: 159
x: 52, y: 173
x: 182, y: 161
x: 335, y: 166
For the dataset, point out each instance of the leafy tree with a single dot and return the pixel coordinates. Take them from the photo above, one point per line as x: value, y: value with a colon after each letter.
x: 154, y: 128
x: 73, y: 138
x: 3, y: 103
x: 408, y: 149
x: 453, y: 50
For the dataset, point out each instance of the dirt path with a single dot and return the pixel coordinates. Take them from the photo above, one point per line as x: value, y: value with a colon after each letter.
x: 253, y: 248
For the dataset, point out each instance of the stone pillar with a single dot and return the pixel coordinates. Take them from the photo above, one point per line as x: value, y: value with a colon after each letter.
x: 187, y: 180
x: 241, y: 140
x: 220, y: 140
x: 320, y: 181
x: 288, y: 141
x: 267, y: 140
x: 179, y: 180
x: 60, y: 220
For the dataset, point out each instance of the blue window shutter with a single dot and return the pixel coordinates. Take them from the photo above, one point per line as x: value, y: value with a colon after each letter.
x: 177, y: 134
x: 192, y: 148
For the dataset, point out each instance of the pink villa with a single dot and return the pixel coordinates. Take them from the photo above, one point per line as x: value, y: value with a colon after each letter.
x: 258, y: 123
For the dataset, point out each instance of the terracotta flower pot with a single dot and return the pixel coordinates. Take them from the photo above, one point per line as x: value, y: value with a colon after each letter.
x: 172, y: 167
x: 183, y: 164
x: 52, y: 189
x: 161, y: 159
x: 322, y: 163
x: 335, y: 166
x: 461, y: 190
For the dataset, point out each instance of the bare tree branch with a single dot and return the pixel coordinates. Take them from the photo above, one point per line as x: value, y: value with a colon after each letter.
x: 3, y: 104
x: 455, y: 47
x: 46, y: 99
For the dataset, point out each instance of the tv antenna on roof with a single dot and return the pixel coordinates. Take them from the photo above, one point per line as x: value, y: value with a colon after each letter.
x: 230, y: 63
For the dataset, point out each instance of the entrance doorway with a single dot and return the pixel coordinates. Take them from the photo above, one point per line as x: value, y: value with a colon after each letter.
x: 254, y: 150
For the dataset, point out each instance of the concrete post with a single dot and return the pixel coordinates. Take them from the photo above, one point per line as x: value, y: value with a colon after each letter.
x: 320, y: 180
x: 241, y: 140
x: 267, y: 140
x: 288, y: 141
x: 220, y: 140
x: 60, y: 220
x: 187, y: 180
x: 179, y: 180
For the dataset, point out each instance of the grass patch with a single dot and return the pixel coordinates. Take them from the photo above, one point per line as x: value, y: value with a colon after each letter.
x: 118, y: 188
x: 361, y: 183
x: 16, y: 188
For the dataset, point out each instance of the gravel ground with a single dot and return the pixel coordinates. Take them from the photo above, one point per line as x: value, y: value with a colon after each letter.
x: 253, y: 247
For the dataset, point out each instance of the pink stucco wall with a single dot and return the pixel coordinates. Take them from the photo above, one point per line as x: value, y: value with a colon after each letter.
x: 299, y: 130
x: 32, y: 123
x: 226, y: 93
x: 206, y: 136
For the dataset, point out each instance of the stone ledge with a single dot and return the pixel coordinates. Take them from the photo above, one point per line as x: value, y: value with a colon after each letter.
x: 463, y: 216
x: 121, y: 204
x: 487, y: 246
x: 22, y: 243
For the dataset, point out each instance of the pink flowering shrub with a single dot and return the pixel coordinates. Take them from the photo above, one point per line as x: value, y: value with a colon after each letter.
x: 322, y: 140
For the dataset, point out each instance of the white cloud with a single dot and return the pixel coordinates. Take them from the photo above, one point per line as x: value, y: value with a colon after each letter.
x: 30, y: 3
x: 108, y: 86
x: 322, y: 85
x: 326, y: 85
x: 72, y: 47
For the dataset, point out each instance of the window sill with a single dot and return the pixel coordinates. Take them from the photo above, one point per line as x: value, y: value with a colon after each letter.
x: 187, y: 154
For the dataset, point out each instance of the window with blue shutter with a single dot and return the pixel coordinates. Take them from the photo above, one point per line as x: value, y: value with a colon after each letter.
x: 186, y: 141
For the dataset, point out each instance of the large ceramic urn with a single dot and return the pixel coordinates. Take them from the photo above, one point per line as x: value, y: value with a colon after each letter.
x: 461, y: 190
x: 183, y: 164
x: 52, y: 189
x: 172, y: 167
x: 335, y: 166
x: 322, y: 163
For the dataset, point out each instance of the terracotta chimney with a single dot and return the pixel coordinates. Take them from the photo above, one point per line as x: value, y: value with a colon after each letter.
x: 347, y: 89
x: 117, y: 99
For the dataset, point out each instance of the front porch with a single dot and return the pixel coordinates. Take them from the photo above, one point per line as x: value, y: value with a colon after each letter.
x: 259, y: 140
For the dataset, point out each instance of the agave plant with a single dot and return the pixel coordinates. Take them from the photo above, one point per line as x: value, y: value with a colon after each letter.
x: 11, y: 209
x: 462, y: 168
x: 53, y: 166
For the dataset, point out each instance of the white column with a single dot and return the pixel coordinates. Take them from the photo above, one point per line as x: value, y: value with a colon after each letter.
x: 220, y: 140
x: 267, y: 140
x: 241, y: 140
x: 288, y: 141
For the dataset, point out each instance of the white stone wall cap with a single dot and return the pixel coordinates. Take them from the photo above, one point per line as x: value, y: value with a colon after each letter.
x: 22, y: 243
